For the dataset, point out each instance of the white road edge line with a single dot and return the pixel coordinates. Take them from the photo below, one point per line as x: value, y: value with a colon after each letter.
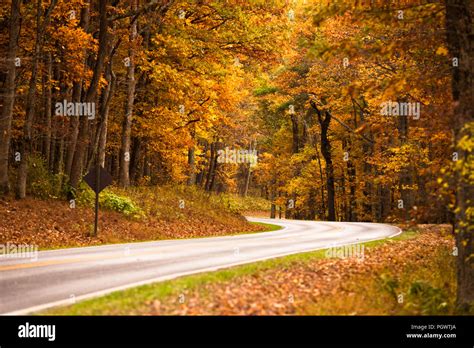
x: 169, y: 277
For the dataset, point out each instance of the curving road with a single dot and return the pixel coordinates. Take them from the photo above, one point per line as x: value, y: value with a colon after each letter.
x: 60, y: 277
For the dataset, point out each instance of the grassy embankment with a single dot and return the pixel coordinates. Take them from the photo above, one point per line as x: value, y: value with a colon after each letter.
x: 132, y: 215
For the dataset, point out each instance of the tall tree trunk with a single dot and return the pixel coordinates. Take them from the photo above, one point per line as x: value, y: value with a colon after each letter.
x: 405, y: 179
x: 108, y: 91
x: 311, y: 215
x: 124, y: 179
x: 351, y: 174
x: 295, y: 132
x: 459, y: 28
x: 104, y: 121
x: 212, y: 155
x: 201, y: 175
x: 326, y: 151
x: 248, y: 174
x: 90, y: 97
x: 248, y: 171
x: 47, y: 111
x: 321, y: 176
x: 192, y: 161
x: 136, y: 169
x: 73, y: 129
x: 105, y: 105
x: 26, y: 141
x: 9, y: 99
x: 272, y: 200
x: 59, y: 163
x: 78, y: 159
x: 212, y: 181
x: 77, y: 91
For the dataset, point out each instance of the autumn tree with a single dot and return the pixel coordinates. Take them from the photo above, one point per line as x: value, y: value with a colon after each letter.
x: 9, y: 95
x: 459, y: 24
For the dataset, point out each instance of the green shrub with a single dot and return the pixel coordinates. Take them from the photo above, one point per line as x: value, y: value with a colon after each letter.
x: 238, y: 204
x: 389, y: 284
x: 265, y: 90
x: 121, y: 204
x: 109, y: 200
x: 429, y: 299
x: 84, y: 195
x: 41, y: 182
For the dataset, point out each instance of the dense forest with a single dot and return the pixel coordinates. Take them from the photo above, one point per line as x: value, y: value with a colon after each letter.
x: 330, y: 110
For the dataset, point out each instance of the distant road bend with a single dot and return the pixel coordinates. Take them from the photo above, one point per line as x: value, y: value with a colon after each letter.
x: 60, y: 277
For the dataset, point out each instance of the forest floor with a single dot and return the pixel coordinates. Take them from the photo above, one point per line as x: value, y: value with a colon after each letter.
x: 163, y: 214
x: 412, y: 274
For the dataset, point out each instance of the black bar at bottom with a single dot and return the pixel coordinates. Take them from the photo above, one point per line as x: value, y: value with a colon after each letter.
x: 138, y: 331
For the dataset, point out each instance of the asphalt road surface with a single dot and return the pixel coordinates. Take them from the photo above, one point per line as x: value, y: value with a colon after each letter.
x: 60, y: 277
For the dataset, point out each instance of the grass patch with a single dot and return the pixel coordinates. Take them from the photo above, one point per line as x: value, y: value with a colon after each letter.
x: 238, y: 204
x: 137, y: 214
x: 173, y: 202
x: 268, y: 227
x: 421, y: 288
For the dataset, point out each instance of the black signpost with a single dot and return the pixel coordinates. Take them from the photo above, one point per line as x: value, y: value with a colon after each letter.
x: 98, y: 179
